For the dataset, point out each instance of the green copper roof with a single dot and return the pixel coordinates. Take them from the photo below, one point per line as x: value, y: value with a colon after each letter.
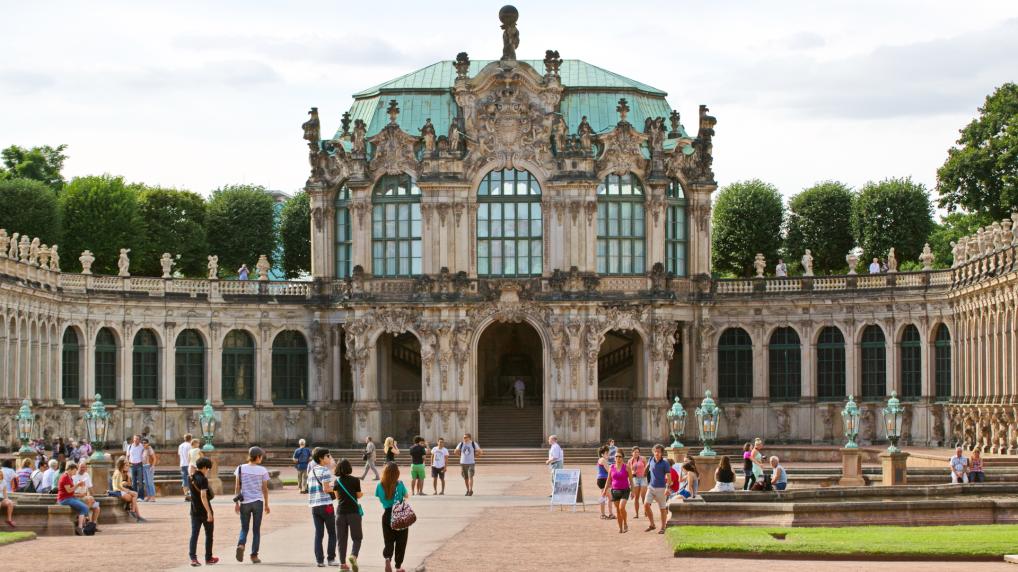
x: 426, y: 94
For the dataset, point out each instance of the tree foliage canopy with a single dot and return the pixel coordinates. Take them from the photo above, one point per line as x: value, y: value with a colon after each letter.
x: 240, y: 226
x: 43, y: 164
x: 820, y: 219
x: 100, y: 214
x: 295, y: 235
x: 982, y: 174
x: 29, y: 207
x: 174, y: 222
x: 747, y: 219
x: 951, y: 228
x: 892, y: 213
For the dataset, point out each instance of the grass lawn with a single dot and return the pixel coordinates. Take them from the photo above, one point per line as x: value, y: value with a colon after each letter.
x: 9, y: 537
x: 290, y: 482
x: 958, y: 541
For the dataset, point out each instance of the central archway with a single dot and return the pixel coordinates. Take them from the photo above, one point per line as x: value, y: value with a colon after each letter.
x: 399, y: 385
x: 507, y: 353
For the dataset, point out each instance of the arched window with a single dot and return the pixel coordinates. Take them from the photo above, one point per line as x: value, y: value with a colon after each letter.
x: 190, y: 368
x: 396, y: 227
x: 509, y: 224
x: 289, y: 369
x: 831, y: 364
x: 106, y: 365
x: 911, y: 363
x: 874, y: 363
x: 344, y: 234
x: 145, y: 383
x: 676, y: 229
x: 620, y: 225
x: 70, y: 374
x: 238, y: 368
x: 735, y: 365
x: 784, y: 365
x: 942, y: 363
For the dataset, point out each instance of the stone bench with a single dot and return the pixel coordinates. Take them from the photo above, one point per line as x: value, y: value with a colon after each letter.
x: 40, y: 513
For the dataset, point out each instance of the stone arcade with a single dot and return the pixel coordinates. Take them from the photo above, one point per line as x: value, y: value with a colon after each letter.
x: 479, y: 222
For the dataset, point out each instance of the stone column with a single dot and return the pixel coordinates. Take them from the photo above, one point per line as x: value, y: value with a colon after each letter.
x: 87, y: 361
x: 4, y: 376
x: 892, y: 380
x: 808, y: 369
x: 894, y: 468
x: 699, y: 208
x: 706, y: 466
x: 263, y: 373
x: 322, y: 229
x: 761, y: 388
x: 851, y: 468
x: 213, y: 378
x: 688, y: 352
x: 167, y: 367
x: 125, y: 366
x: 853, y: 375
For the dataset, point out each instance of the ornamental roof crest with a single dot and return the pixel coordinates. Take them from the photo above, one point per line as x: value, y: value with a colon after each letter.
x: 393, y: 148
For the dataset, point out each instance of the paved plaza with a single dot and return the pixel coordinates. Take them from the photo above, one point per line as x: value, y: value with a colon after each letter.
x: 506, y: 526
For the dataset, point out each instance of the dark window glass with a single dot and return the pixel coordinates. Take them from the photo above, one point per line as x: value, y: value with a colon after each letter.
x: 344, y: 234
x: 831, y: 364
x: 238, y: 368
x: 735, y: 365
x: 784, y: 365
x: 676, y: 230
x: 911, y: 364
x: 190, y: 368
x: 396, y: 227
x: 70, y: 374
x: 620, y: 226
x: 289, y: 368
x: 106, y: 365
x: 873, y: 358
x: 145, y: 379
x: 942, y: 363
x: 509, y: 225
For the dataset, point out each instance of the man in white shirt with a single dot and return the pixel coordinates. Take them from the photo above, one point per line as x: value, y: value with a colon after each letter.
x: 468, y: 450
x: 875, y: 266
x: 439, y: 456
x: 556, y: 458
x: 959, y: 467
x: 136, y: 457
x: 520, y: 388
x: 184, y: 453
x: 48, y: 477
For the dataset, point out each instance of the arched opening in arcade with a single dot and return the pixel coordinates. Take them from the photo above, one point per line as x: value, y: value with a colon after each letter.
x: 510, y: 356
x: 620, y: 375
x: 399, y: 385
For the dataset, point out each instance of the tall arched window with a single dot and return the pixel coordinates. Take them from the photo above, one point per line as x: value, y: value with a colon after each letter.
x: 70, y: 373
x: 911, y: 363
x: 874, y: 363
x: 784, y: 365
x: 289, y: 368
x: 190, y: 368
x: 238, y: 368
x: 396, y: 227
x: 735, y: 365
x: 620, y: 225
x: 145, y: 382
x: 344, y: 234
x: 831, y: 364
x: 509, y: 224
x: 942, y: 363
x: 106, y: 365
x: 676, y: 229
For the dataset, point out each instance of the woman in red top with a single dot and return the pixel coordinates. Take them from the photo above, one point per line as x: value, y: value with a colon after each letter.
x: 65, y: 496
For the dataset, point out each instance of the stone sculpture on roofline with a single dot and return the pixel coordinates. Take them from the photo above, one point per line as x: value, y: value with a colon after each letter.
x: 807, y: 263
x: 852, y: 261
x: 213, y: 267
x: 54, y: 259
x: 4, y: 241
x: 124, y: 263
x: 927, y: 257
x: 508, y: 15
x: 12, y: 253
x: 166, y: 262
x: 86, y: 259
x: 760, y: 264
x: 263, y: 267
x: 892, y: 261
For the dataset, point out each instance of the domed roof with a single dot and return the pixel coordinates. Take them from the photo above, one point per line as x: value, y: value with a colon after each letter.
x: 427, y: 94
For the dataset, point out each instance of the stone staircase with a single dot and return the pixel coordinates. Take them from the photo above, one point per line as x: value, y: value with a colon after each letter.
x: 506, y: 426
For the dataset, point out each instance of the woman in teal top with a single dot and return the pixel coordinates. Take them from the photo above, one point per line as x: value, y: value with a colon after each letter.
x: 389, y: 491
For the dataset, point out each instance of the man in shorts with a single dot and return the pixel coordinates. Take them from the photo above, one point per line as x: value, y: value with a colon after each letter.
x: 468, y: 450
x: 659, y: 476
x: 439, y: 455
x: 417, y: 472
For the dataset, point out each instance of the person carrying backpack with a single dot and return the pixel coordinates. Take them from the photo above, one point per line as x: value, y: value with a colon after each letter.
x: 468, y: 450
x: 659, y: 476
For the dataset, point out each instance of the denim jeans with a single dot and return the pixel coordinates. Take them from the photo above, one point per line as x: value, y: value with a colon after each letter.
x: 248, y: 510
x: 184, y: 480
x: 138, y: 479
x: 349, y: 523
x: 324, y: 517
x: 197, y: 522
x: 150, y: 481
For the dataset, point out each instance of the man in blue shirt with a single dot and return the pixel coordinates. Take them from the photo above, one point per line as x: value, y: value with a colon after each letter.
x: 301, y: 457
x: 659, y: 473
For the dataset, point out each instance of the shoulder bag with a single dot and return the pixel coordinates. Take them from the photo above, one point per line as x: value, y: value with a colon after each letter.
x: 332, y: 493
x: 403, y: 515
x: 240, y: 484
x: 360, y: 509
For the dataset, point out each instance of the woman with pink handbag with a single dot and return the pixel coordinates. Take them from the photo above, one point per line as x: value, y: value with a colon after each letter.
x: 397, y: 518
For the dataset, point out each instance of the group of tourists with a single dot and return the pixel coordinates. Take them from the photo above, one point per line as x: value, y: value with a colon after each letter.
x: 965, y: 469
x: 422, y: 456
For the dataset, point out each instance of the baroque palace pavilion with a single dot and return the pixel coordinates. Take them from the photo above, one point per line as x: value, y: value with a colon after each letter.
x: 479, y: 222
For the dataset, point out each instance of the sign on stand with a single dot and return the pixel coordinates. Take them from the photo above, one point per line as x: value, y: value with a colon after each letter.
x: 567, y: 489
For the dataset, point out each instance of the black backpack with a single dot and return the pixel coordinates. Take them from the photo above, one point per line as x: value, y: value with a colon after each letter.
x: 89, y: 528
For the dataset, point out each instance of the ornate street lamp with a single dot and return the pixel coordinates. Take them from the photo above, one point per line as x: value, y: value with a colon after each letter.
x: 850, y: 416
x: 677, y: 421
x: 26, y: 426
x: 208, y: 425
x: 892, y: 421
x: 97, y: 422
x: 708, y: 416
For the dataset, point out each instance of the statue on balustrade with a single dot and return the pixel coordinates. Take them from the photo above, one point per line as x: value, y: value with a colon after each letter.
x: 4, y: 241
x: 33, y: 252
x: 12, y: 253
x: 852, y: 261
x: 54, y: 259
x: 926, y: 257
x: 124, y: 263
x: 892, y: 261
x: 807, y: 263
x: 760, y: 264
x: 263, y: 267
x: 86, y: 259
x: 213, y: 267
x: 24, y: 246
x: 166, y: 262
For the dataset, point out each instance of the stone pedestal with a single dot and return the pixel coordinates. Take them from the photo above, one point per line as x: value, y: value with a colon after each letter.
x: 215, y: 483
x: 22, y: 456
x: 894, y: 468
x: 100, y: 470
x: 851, y: 468
x: 707, y: 466
x: 675, y: 454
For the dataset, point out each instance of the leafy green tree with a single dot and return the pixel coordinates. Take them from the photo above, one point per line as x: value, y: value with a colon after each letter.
x: 951, y: 228
x: 892, y: 213
x: 820, y: 219
x: 982, y: 174
x: 42, y: 164
x: 100, y: 213
x: 747, y: 220
x: 174, y: 222
x: 295, y: 234
x: 29, y: 207
x: 240, y: 226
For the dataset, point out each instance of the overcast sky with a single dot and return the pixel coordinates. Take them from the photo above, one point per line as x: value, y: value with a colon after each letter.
x: 199, y: 94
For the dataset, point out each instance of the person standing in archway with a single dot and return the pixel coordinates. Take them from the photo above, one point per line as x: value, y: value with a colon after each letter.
x: 520, y: 388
